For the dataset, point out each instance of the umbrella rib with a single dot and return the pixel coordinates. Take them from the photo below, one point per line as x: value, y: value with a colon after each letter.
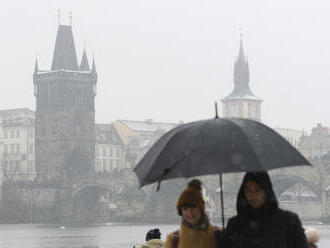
x: 167, y: 170
x: 248, y: 141
x: 177, y: 131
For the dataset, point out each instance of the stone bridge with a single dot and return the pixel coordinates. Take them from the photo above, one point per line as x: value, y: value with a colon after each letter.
x: 80, y: 198
x: 74, y: 200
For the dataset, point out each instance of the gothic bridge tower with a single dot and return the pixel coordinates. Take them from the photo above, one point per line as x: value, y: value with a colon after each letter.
x: 65, y: 113
x: 241, y: 102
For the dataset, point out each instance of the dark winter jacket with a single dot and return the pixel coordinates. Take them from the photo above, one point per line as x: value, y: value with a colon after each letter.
x: 265, y: 227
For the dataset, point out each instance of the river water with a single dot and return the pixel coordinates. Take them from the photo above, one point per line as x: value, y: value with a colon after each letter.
x: 100, y: 236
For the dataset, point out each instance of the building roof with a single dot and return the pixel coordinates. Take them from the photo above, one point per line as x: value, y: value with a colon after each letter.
x: 320, y: 130
x: 17, y: 111
x: 128, y: 129
x: 17, y: 116
x: 107, y: 134
x: 84, y: 65
x: 148, y: 125
x: 65, y: 56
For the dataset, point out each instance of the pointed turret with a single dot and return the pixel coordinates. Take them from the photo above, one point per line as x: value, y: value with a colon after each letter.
x: 241, y: 102
x: 84, y: 66
x: 36, y: 68
x: 65, y: 57
x: 241, y: 51
x: 241, y: 76
x: 93, y: 66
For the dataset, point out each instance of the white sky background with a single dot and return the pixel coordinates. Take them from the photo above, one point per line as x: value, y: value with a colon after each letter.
x: 170, y: 60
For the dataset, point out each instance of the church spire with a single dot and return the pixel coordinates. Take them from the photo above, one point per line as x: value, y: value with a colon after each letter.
x: 84, y: 65
x: 241, y: 76
x: 241, y: 51
x: 36, y: 68
x: 64, y: 57
x: 93, y: 66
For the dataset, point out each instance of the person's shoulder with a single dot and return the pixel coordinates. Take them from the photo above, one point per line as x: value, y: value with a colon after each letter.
x: 172, y: 238
x: 172, y: 235
x: 233, y: 220
x: 216, y: 228
x: 289, y: 215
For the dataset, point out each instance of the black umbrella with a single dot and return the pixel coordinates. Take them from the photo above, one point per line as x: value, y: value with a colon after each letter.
x: 216, y: 146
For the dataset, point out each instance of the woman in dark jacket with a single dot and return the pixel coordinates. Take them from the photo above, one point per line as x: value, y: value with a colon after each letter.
x: 259, y: 222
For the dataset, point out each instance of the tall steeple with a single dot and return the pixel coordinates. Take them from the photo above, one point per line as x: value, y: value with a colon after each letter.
x: 93, y: 66
x: 241, y: 76
x: 84, y: 65
x: 241, y: 102
x: 64, y: 57
x: 36, y: 68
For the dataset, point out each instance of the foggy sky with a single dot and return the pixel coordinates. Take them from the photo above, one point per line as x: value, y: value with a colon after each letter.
x: 170, y: 60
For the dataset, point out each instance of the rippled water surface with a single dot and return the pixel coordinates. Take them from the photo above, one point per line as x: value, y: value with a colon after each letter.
x: 101, y: 236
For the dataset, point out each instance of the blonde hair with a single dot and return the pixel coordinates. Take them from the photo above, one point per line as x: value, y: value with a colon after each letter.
x: 312, y: 235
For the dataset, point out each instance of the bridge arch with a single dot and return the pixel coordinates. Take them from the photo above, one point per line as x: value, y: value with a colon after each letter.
x: 284, y: 182
x: 85, y: 200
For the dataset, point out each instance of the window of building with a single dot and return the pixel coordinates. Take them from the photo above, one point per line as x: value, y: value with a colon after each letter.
x: 110, y: 164
x: 104, y: 162
x: 12, y: 148
x: 104, y: 152
x: 31, y: 148
x: 5, y: 134
x: 12, y: 134
x: 17, y: 166
x: 17, y: 148
x: 31, y: 166
x: 5, y: 148
x: 17, y: 133
x: 31, y: 133
x: 10, y: 166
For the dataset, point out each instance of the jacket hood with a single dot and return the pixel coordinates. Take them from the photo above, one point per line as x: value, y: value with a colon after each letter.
x: 263, y: 180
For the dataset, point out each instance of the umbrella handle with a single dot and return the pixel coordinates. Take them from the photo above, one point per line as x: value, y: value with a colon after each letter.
x: 221, y: 200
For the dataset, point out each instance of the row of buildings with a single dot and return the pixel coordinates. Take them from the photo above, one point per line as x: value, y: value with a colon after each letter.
x: 120, y: 144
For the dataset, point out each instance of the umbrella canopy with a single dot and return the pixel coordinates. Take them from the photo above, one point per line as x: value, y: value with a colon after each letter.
x: 216, y: 146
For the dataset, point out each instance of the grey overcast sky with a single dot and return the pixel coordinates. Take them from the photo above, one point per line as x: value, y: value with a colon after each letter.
x: 171, y: 59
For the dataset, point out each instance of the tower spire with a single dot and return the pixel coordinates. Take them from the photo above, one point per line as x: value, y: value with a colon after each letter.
x: 84, y: 65
x: 36, y: 68
x: 241, y: 50
x: 241, y: 102
x: 70, y: 16
x: 65, y: 57
x: 59, y: 16
x: 241, y: 75
x: 93, y: 66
